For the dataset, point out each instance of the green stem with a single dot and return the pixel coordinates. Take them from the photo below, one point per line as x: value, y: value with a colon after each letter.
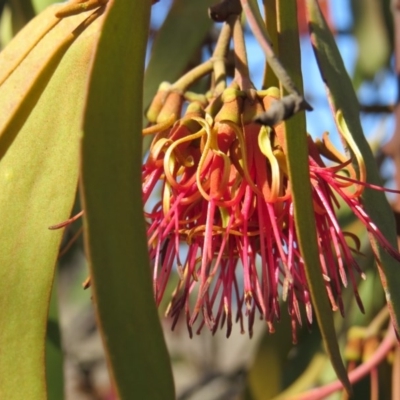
x: 242, y: 75
x: 219, y: 58
x: 192, y: 76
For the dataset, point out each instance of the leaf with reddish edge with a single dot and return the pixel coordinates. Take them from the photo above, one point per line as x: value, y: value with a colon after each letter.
x: 297, y: 151
x: 15, y: 52
x: 115, y: 235
x: 28, y: 66
x: 343, y: 99
x: 38, y: 179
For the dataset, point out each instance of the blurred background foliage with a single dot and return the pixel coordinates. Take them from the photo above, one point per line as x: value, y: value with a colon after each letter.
x: 211, y: 367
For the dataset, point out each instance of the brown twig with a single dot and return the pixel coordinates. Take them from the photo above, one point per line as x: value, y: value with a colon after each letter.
x: 67, y: 222
x: 74, y: 238
x: 377, y: 108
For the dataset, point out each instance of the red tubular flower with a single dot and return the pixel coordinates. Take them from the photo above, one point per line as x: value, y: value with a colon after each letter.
x: 225, y: 219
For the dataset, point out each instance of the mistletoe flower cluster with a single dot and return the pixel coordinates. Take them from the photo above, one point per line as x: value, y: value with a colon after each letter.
x: 219, y: 212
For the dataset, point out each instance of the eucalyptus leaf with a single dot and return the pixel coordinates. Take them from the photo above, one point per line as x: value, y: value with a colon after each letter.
x: 265, y: 376
x: 371, y: 32
x: 38, y: 179
x: 297, y: 150
x: 114, y: 225
x: 29, y: 62
x: 22, y: 12
x: 344, y: 104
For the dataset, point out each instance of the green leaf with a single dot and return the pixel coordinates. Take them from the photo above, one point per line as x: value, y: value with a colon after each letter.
x: 297, y: 150
x: 38, y: 179
x: 344, y: 103
x: 371, y: 32
x: 40, y: 5
x: 22, y: 12
x: 27, y: 68
x: 170, y: 55
x: 114, y: 223
x: 265, y: 375
x: 306, y: 380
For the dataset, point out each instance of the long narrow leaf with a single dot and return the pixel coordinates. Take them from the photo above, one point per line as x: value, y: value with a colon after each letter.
x: 265, y: 376
x: 114, y: 223
x: 38, y: 179
x: 22, y: 12
x: 28, y: 66
x: 344, y: 100
x: 296, y: 140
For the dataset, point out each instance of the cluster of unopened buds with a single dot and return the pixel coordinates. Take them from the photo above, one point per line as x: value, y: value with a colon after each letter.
x: 219, y: 211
